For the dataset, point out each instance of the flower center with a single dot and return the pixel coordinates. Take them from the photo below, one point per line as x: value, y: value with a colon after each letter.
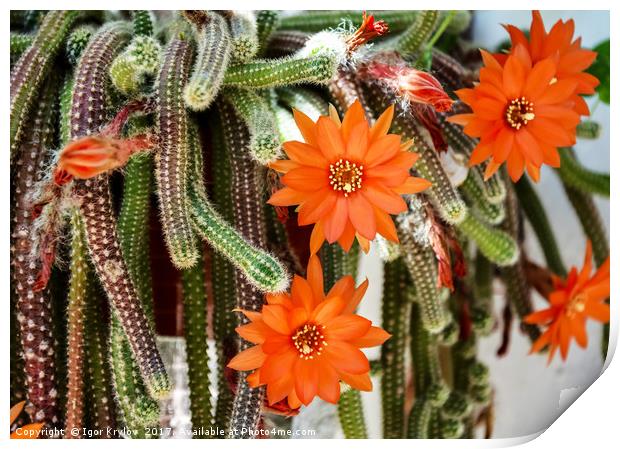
x: 519, y: 112
x: 345, y: 176
x: 309, y: 341
x: 576, y: 305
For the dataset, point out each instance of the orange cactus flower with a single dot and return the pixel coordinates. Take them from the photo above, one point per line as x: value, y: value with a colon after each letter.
x: 572, y: 60
x: 307, y: 341
x: 29, y: 431
x: 347, y: 177
x: 573, y: 300
x: 90, y: 156
x: 521, y: 113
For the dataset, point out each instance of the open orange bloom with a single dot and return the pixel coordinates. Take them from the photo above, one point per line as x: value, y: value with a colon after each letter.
x: 347, y: 177
x: 307, y: 342
x: 572, y: 60
x: 572, y: 302
x: 521, y: 113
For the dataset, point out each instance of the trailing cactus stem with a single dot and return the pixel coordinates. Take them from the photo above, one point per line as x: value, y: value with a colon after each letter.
x: 577, y: 176
x: 395, y: 319
x: 473, y: 191
x: 266, y: 22
x: 304, y: 100
x: 77, y: 42
x: 314, y: 21
x: 244, y: 35
x: 415, y: 37
x: 214, y: 53
x: 19, y: 44
x: 496, y: 245
x: 258, y: 117
x: 142, y: 23
x: 33, y: 67
x: 172, y: 162
x: 588, y: 129
x: 350, y: 412
x: 195, y: 329
x: 261, y: 74
x: 419, y: 419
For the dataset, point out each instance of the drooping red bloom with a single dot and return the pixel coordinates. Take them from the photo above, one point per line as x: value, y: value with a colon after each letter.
x: 414, y: 85
x: 521, y: 113
x: 90, y: 156
x: 369, y: 29
x: 575, y: 299
x: 570, y: 58
x: 306, y: 342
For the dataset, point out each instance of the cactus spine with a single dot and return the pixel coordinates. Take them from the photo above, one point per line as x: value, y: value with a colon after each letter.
x: 244, y: 36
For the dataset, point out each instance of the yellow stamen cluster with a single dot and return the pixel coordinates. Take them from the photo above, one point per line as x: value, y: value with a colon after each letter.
x: 309, y: 341
x: 576, y: 305
x: 519, y: 112
x: 345, y: 176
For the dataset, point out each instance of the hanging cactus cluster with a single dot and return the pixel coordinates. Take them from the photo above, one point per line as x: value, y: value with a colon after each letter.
x: 157, y: 148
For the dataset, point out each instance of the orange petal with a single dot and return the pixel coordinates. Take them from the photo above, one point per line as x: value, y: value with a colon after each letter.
x: 480, y: 154
x: 515, y: 165
x: 336, y: 221
x: 347, y: 237
x: 383, y: 198
x: 304, y: 154
x: 306, y: 126
x: 491, y: 169
x: 382, y: 125
x: 298, y: 318
x: 346, y: 327
x: 357, y: 142
x: 249, y: 359
x: 364, y: 243
x: 293, y: 400
x: 327, y: 310
x: 283, y: 165
x: 306, y: 179
x: 275, y: 317
x: 330, y: 139
x: 375, y: 336
x: 316, y: 206
x: 345, y: 357
x: 306, y: 373
x: 362, y: 216
x: 287, y: 197
x: 529, y: 147
x: 352, y: 119
x: 302, y: 295
x: 16, y: 410
x: 357, y: 296
x: 280, y: 388
x: 538, y: 79
x: 27, y: 431
x: 412, y: 185
x: 360, y: 382
x: 598, y: 311
x: 513, y: 77
x: 317, y: 237
x: 253, y: 332
x: 385, y: 225
x: 315, y: 278
x: 329, y: 385
x: 344, y: 288
x: 382, y: 149
x: 283, y: 299
x: 333, y: 115
x: 278, y: 365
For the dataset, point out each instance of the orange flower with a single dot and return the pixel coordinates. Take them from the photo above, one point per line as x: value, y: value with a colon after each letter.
x: 347, y: 177
x: 90, y: 156
x: 521, y: 113
x: 29, y: 431
x: 307, y: 342
x: 572, y: 60
x: 572, y: 302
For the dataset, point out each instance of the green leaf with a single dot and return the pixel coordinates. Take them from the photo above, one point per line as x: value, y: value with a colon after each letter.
x: 600, y: 69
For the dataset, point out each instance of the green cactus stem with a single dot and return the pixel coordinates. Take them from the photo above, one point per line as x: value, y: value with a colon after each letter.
x: 336, y: 264
x: 142, y: 23
x: 19, y: 44
x: 285, y: 43
x: 255, y: 112
x: 535, y: 212
x: 496, y: 245
x: 195, y: 329
x: 577, y: 176
x: 33, y: 67
x: 214, y: 54
x: 249, y: 221
x: 34, y: 313
x: 472, y: 190
x: 588, y: 129
x: 315, y: 21
x: 414, y: 38
x: 129, y: 69
x: 77, y: 42
x: 87, y: 114
x: 261, y: 74
x: 266, y: 22
x: 244, y: 35
x: 304, y: 100
x: 171, y: 160
x: 395, y: 318
x: 223, y: 273
x: 419, y: 418
x: 285, y: 123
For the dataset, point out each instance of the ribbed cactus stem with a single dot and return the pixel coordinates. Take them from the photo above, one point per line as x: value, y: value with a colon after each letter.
x: 87, y: 115
x: 78, y: 290
x: 266, y: 22
x: 535, y: 212
x: 195, y: 329
x: 497, y: 246
x: 314, y: 21
x: 588, y: 129
x: 77, y: 42
x: 172, y: 162
x: 304, y: 100
x: 285, y: 43
x: 19, y: 44
x: 250, y: 222
x: 244, y: 35
x: 351, y: 415
x: 419, y: 418
x: 422, y: 266
x: 472, y: 190
x: 34, y: 312
x: 258, y: 117
x: 33, y: 67
x: 142, y: 23
x: 285, y: 124
x: 223, y: 275
x: 214, y: 53
x: 413, y: 39
x: 395, y: 320
x: 577, y: 176
x: 129, y: 69
x: 261, y: 74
